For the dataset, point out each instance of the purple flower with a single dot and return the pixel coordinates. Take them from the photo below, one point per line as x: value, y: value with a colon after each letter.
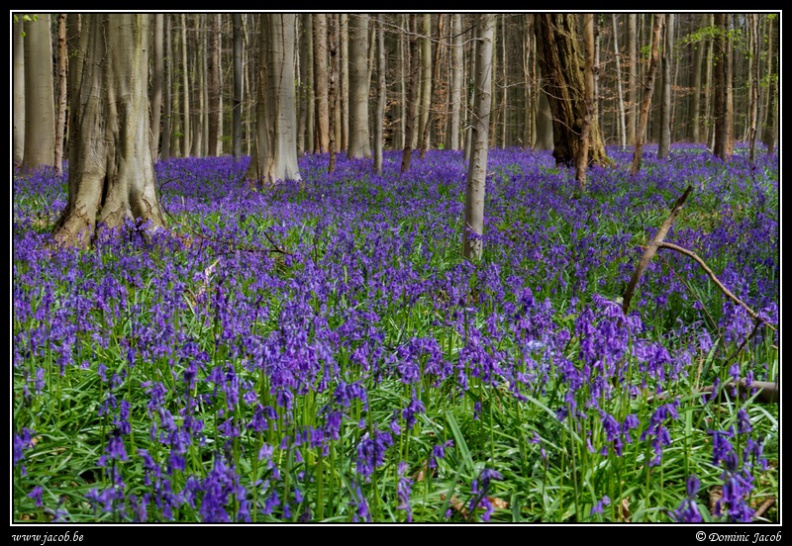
x: 35, y: 494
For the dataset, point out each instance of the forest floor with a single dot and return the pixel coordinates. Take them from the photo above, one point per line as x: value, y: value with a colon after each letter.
x: 321, y: 352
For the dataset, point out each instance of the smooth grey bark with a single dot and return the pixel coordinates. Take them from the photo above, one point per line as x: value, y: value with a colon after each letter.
x: 19, y: 90
x: 456, y: 78
x: 412, y: 95
x: 344, y: 81
x: 275, y: 150
x: 473, y: 225
x: 167, y: 111
x: 589, y: 100
x: 333, y: 35
x: 381, y: 95
x: 665, y: 111
x: 659, y: 20
x: 632, y: 88
x: 404, y: 76
x: 236, y: 112
x: 754, y: 89
x: 433, y: 97
x: 185, y: 84
x: 39, y: 147
x: 60, y: 122
x: 214, y: 106
x: 426, y: 74
x: 724, y: 104
x: 770, y: 133
x: 157, y: 80
x: 111, y: 173
x: 619, y: 92
x: 304, y: 87
x: 698, y: 57
x: 359, y: 146
x: 709, y: 126
x: 73, y: 45
x: 322, y: 141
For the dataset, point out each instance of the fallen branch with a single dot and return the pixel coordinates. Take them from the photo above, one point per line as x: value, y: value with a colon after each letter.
x: 651, y: 250
x: 712, y: 276
x: 764, y: 507
x: 765, y: 391
x: 243, y: 248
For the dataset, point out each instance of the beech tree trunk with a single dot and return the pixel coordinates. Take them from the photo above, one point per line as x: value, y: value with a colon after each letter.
x: 589, y: 100
x: 412, y: 94
x: 236, y: 112
x: 632, y: 88
x: 305, y: 89
x: 322, y: 140
x: 770, y: 133
x: 381, y: 95
x: 434, y: 88
x: 754, y: 90
x: 60, y: 124
x: 561, y: 63
x: 186, y: 141
x: 157, y: 80
x: 332, y: 89
x: 359, y: 146
x: 426, y: 74
x: 39, y: 147
x: 167, y: 74
x: 344, y: 81
x: 473, y: 225
x: 111, y: 173
x: 19, y: 90
x: 665, y: 115
x: 456, y: 78
x: 275, y: 151
x: 659, y: 19
x: 214, y: 84
x: 724, y: 106
x: 619, y: 92
x: 698, y: 57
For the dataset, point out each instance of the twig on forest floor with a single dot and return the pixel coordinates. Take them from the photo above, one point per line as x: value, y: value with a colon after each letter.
x: 651, y: 250
x: 764, y: 507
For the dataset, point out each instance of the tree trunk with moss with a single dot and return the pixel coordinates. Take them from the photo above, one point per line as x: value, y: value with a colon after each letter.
x: 561, y: 62
x: 111, y: 173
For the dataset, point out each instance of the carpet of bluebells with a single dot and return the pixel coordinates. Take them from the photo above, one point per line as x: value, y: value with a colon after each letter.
x: 321, y: 352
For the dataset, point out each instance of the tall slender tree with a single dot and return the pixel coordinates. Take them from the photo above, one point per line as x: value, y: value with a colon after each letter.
x: 359, y: 146
x: 322, y: 140
x: 412, y: 95
x: 659, y: 20
x: 473, y: 225
x: 60, y: 121
x: 381, y: 95
x: 665, y: 117
x: 157, y: 80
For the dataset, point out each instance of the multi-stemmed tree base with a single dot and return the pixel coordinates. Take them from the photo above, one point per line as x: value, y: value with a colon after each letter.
x: 111, y: 172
